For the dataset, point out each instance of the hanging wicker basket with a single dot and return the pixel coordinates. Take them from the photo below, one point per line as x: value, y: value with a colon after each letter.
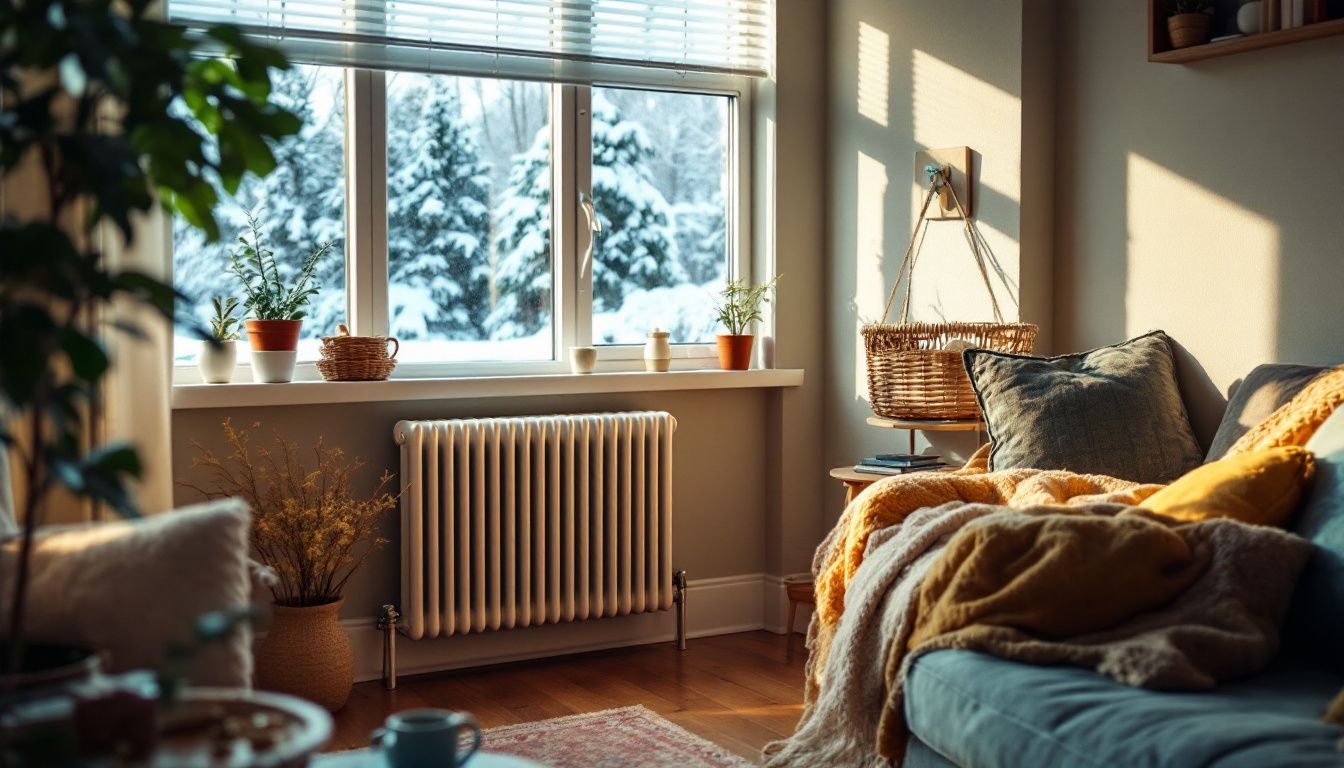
x: 357, y: 358
x: 915, y: 370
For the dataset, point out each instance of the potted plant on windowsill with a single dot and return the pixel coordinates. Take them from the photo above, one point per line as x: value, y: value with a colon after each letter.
x: 219, y: 353
x: 276, y: 309
x: 739, y: 306
x: 1189, y: 21
x: 313, y: 533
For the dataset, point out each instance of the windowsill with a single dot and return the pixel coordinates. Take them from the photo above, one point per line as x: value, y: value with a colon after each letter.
x: 193, y: 396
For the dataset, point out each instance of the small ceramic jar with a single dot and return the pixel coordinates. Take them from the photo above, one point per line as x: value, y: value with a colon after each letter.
x: 582, y: 359
x: 657, y: 352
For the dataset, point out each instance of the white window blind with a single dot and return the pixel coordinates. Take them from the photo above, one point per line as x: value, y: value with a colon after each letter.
x: 561, y: 40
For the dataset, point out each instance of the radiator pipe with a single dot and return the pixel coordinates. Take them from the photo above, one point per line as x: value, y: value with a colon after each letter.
x: 387, y: 622
x: 679, y: 597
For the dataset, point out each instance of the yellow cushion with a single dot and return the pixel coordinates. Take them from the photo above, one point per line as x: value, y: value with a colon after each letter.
x: 1296, y: 420
x: 1261, y: 488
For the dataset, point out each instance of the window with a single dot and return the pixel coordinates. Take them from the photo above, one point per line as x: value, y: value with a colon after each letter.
x: 497, y: 193
x: 469, y: 218
x: 298, y: 206
x: 660, y: 190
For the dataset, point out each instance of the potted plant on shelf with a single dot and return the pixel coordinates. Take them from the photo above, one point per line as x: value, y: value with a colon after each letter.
x: 312, y: 532
x: 1189, y: 21
x: 219, y: 353
x: 88, y: 132
x: 739, y: 307
x: 276, y: 309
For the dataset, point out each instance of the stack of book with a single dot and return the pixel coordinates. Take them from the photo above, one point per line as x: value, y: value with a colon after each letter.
x: 1288, y: 14
x: 900, y: 463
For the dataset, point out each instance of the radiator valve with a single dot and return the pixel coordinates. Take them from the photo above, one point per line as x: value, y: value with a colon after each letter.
x: 679, y: 597
x: 387, y: 622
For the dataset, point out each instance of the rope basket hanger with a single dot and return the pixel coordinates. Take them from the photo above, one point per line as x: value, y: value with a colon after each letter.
x: 915, y: 370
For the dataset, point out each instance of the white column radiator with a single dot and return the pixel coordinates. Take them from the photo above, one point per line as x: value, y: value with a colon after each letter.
x: 516, y: 522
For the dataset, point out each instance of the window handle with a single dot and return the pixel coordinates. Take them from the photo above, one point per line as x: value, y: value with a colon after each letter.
x: 594, y: 228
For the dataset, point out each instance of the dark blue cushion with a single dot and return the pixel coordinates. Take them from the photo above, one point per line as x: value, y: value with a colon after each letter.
x: 987, y: 712
x: 1315, y: 625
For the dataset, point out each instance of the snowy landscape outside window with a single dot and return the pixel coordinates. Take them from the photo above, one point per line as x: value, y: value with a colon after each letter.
x: 468, y: 270
x: 468, y: 218
x: 300, y: 205
x: 660, y: 179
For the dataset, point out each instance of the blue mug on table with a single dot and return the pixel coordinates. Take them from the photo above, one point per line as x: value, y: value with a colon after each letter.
x: 426, y: 738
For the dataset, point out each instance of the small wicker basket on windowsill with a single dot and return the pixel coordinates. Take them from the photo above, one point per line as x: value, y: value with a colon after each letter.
x: 357, y: 358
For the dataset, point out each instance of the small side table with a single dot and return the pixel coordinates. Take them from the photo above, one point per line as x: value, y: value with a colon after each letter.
x: 854, y: 481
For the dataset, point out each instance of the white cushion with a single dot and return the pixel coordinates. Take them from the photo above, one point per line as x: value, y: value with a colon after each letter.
x: 130, y: 588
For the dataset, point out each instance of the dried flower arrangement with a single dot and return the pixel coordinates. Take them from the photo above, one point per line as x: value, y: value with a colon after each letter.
x: 307, y: 526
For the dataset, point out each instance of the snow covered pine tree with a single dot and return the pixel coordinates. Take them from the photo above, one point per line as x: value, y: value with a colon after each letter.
x: 637, y: 249
x: 438, y: 218
x: 301, y: 204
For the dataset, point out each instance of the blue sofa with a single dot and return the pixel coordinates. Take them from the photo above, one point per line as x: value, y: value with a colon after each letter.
x: 977, y: 711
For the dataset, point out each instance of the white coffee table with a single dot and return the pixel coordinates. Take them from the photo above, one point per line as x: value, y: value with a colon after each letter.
x: 367, y: 758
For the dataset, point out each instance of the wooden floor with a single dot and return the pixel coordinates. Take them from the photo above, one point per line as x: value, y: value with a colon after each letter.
x: 739, y: 691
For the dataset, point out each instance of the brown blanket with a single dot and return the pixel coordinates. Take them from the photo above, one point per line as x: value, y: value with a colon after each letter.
x: 1131, y: 595
x: 889, y: 501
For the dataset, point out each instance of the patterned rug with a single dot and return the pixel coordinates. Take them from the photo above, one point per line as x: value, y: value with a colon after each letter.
x: 629, y: 737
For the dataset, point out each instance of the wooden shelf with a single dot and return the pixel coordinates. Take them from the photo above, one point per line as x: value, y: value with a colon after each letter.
x: 1160, y: 50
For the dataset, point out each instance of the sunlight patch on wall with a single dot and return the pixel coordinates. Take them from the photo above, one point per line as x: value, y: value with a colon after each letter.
x: 874, y: 80
x: 952, y: 108
x: 1202, y: 268
x: 869, y: 283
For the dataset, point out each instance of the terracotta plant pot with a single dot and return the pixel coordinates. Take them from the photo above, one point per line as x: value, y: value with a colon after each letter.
x: 273, y: 335
x: 735, y: 351
x: 1187, y: 29
x: 307, y: 654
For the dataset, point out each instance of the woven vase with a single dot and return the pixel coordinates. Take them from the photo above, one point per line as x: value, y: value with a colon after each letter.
x: 307, y: 654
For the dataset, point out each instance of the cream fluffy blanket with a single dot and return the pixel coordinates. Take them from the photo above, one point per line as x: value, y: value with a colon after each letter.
x: 1150, y: 604
x: 839, y: 725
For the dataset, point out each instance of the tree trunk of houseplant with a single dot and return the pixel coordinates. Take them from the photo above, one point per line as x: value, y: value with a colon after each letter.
x: 735, y: 351
x: 275, y: 346
x: 1187, y: 29
x: 306, y: 653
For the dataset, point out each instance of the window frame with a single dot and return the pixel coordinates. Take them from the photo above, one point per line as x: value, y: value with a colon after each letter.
x: 366, y: 288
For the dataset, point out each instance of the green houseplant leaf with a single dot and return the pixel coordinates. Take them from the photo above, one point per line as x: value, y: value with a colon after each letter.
x: 740, y: 304
x: 90, y: 92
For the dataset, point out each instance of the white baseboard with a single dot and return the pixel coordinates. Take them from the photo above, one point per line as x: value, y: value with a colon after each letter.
x: 716, y: 606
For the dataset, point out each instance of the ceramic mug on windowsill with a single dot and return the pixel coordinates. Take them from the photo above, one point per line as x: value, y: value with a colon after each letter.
x: 582, y: 359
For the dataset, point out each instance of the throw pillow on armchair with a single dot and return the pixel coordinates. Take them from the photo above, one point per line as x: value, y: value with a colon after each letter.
x: 1114, y: 411
x: 130, y: 588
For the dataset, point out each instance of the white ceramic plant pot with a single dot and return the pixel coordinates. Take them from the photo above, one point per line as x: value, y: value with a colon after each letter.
x: 273, y: 367
x: 217, y: 362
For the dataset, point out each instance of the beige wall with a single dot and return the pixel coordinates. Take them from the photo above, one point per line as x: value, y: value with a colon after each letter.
x: 911, y: 76
x: 748, y: 474
x: 719, y: 475
x: 1207, y: 200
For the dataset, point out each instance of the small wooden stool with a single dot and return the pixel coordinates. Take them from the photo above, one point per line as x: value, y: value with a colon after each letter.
x: 801, y: 591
